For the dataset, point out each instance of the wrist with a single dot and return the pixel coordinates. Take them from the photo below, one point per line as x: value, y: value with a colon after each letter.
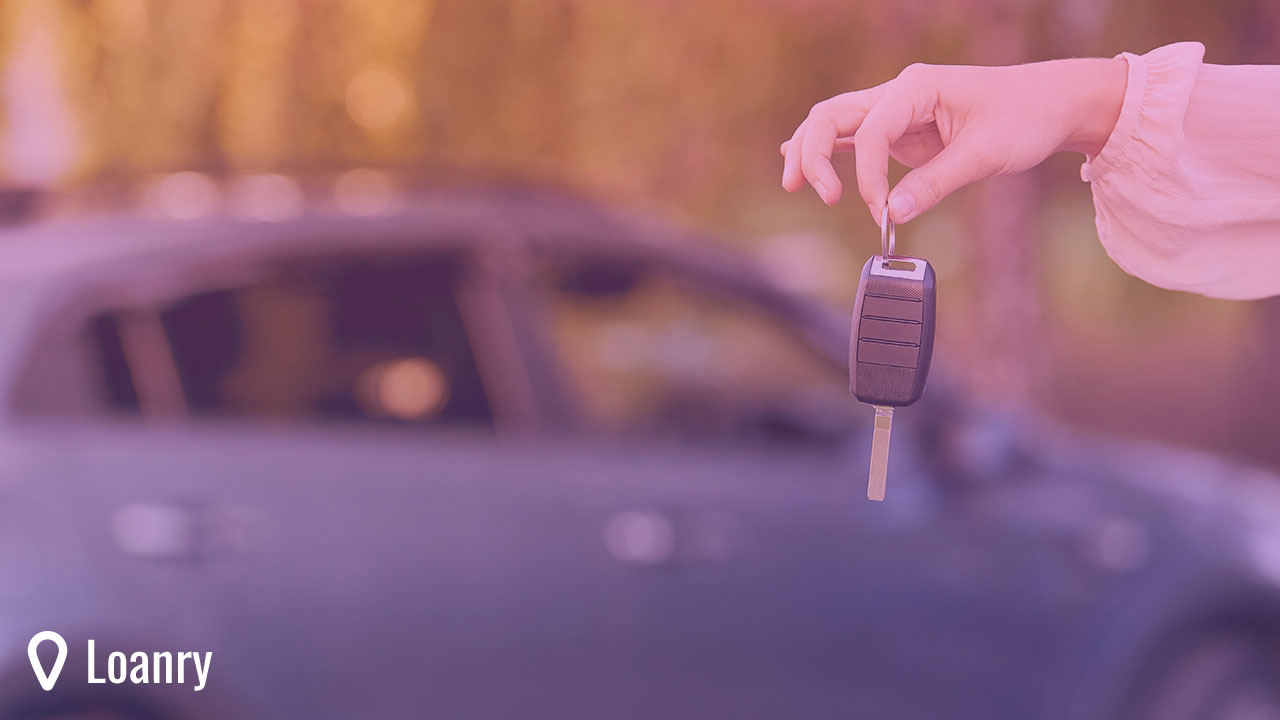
x: 1098, y: 87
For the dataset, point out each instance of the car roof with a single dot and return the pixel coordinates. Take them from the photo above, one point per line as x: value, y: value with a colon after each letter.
x: 65, y: 245
x: 43, y: 264
x: 46, y: 250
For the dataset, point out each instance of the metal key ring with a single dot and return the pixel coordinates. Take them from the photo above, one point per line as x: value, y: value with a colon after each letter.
x: 888, y: 234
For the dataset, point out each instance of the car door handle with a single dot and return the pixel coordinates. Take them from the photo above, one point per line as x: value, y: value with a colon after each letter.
x: 640, y: 537
x: 157, y: 530
x: 187, y: 532
x: 651, y: 538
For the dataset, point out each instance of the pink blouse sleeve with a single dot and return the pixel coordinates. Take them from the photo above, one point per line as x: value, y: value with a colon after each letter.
x: 1187, y: 188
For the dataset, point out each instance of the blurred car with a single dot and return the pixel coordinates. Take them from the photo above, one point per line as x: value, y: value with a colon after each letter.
x: 509, y: 454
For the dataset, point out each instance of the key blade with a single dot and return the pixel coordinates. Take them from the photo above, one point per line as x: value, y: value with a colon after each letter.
x: 879, y: 453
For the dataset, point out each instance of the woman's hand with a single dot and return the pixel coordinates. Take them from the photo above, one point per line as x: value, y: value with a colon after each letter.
x: 954, y: 124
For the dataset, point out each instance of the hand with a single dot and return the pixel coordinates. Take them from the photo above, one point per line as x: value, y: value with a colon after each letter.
x: 954, y: 124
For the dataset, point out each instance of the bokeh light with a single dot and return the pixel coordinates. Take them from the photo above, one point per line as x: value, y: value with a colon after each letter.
x: 375, y: 98
x: 404, y: 389
x: 366, y: 192
x: 265, y: 198
x: 184, y: 196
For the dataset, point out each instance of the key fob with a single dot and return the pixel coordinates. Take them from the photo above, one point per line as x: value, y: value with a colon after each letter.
x: 891, y: 341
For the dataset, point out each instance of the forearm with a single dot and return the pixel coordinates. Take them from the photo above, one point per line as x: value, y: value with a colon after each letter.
x: 1187, y: 188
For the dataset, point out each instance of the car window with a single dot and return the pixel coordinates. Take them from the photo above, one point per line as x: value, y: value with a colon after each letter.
x: 355, y: 338
x: 655, y: 353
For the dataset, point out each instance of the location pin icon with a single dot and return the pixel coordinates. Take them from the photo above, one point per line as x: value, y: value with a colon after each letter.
x: 47, y: 681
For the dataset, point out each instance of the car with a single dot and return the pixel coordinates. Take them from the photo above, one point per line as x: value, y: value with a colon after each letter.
x: 515, y: 454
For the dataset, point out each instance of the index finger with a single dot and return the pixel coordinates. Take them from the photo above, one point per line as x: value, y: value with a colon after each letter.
x: 883, y: 125
x: 829, y: 121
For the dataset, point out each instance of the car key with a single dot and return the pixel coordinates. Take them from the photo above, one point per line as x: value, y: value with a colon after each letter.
x: 891, y: 341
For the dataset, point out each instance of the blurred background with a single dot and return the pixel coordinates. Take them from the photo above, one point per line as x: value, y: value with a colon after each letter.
x: 250, y: 178
x: 672, y: 108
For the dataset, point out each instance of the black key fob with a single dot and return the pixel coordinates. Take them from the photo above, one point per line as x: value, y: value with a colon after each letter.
x: 891, y: 341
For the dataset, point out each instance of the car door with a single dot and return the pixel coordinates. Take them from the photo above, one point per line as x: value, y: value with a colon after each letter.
x: 301, y: 471
x: 718, y: 478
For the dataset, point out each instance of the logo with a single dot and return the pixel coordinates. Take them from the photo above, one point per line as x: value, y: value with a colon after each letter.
x: 47, y: 680
x: 138, y: 668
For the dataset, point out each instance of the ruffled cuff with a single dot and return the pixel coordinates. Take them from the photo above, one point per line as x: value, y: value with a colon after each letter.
x: 1155, y: 103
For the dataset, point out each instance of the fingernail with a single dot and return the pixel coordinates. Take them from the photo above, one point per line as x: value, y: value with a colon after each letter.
x: 822, y: 190
x: 901, y: 205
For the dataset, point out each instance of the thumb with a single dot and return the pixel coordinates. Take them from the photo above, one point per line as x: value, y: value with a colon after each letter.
x: 953, y: 168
